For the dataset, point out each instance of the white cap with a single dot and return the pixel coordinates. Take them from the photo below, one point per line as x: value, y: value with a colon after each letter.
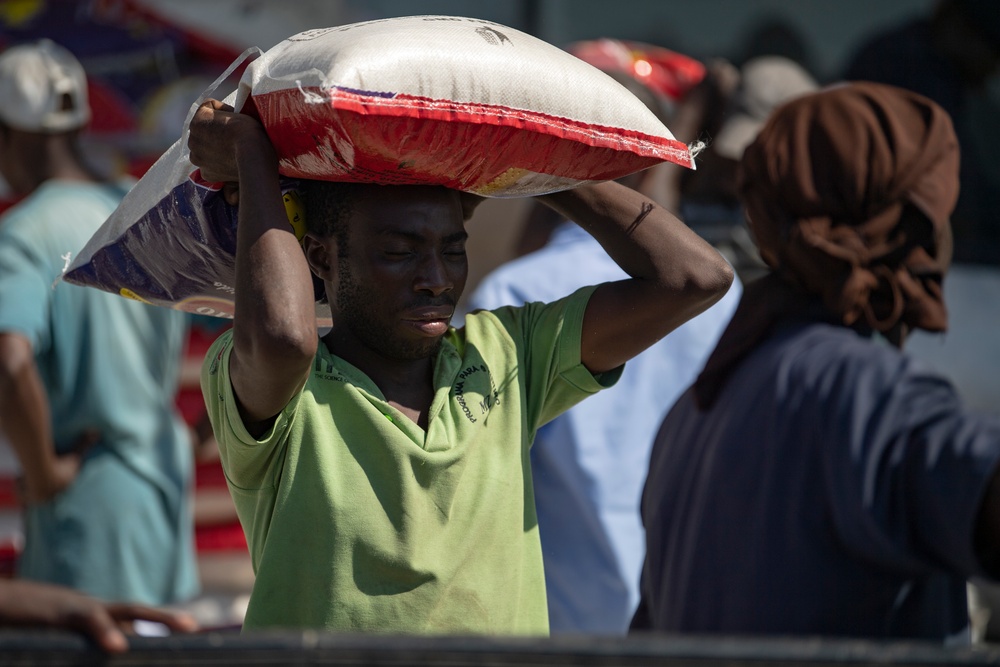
x: 766, y: 83
x: 43, y: 88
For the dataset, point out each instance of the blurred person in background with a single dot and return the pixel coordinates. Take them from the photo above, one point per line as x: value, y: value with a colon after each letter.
x: 708, y: 199
x: 816, y: 480
x: 87, y: 378
x: 588, y: 464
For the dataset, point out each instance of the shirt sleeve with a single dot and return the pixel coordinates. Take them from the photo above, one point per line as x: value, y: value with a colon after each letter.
x: 554, y: 376
x: 906, y: 492
x: 27, y: 277
x: 249, y: 463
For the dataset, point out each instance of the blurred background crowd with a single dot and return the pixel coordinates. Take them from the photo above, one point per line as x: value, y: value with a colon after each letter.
x: 712, y: 69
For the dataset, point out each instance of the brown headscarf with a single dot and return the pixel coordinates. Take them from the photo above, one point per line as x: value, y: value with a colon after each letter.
x: 848, y: 193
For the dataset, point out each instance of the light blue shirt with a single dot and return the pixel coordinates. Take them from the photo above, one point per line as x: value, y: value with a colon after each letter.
x: 110, y: 365
x: 589, y: 464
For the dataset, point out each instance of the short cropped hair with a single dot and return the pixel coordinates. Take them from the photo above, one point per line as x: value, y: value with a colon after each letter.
x: 328, y: 206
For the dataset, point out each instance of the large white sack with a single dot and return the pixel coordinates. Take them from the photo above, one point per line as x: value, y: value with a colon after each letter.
x: 440, y: 100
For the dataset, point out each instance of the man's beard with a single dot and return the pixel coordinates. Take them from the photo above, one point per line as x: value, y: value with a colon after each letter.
x: 357, y: 305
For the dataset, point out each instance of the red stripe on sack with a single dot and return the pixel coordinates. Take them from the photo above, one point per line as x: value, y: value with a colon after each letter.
x: 351, y: 136
x: 565, y: 128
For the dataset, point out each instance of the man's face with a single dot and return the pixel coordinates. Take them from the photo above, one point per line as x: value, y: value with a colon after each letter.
x: 404, y: 270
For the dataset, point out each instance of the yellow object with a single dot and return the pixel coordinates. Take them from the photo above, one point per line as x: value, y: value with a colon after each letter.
x: 129, y: 294
x: 296, y: 213
x: 504, y: 181
x: 17, y: 13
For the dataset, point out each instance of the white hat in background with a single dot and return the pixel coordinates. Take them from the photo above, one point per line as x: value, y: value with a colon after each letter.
x: 766, y: 82
x: 43, y: 88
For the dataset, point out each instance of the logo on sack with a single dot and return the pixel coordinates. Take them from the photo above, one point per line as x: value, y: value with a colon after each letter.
x: 306, y: 35
x: 494, y: 37
x: 206, y: 305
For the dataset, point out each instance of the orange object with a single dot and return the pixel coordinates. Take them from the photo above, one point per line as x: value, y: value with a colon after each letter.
x: 663, y: 71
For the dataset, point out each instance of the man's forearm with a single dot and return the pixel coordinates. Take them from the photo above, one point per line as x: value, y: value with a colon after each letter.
x: 675, y: 274
x: 24, y: 414
x: 274, y: 327
x: 274, y: 294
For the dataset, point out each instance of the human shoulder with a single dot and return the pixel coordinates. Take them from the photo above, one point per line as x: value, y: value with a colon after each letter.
x: 17, y: 215
x: 30, y: 228
x: 838, y: 347
x: 854, y: 377
x: 47, y: 208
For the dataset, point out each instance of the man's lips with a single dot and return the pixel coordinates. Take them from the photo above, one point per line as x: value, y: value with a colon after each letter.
x: 430, y: 321
x: 430, y: 314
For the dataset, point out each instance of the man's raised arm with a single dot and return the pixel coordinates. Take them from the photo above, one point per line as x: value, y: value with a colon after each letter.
x: 675, y: 275
x: 274, y: 327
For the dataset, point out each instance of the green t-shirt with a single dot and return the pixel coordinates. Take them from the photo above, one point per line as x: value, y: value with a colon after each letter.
x: 359, y: 520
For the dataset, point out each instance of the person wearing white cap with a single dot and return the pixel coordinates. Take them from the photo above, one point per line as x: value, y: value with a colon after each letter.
x: 87, y: 378
x: 766, y: 82
x: 709, y: 203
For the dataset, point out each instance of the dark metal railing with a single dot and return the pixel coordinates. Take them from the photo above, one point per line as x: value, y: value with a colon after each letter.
x: 44, y: 648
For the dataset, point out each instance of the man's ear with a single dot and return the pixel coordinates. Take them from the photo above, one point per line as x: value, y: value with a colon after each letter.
x: 321, y: 253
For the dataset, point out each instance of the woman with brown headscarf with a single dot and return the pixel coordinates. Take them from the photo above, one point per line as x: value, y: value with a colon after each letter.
x: 815, y: 480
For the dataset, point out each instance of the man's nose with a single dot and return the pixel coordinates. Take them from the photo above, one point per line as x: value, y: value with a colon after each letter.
x: 434, y: 277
